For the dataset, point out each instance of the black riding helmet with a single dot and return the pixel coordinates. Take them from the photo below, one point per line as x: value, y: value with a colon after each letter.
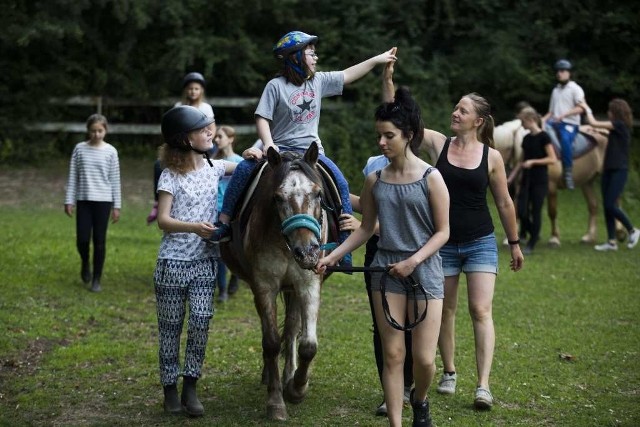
x: 193, y: 77
x: 562, y: 64
x: 178, y: 122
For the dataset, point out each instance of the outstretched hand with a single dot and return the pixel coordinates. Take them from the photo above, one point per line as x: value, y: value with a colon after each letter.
x: 388, y: 57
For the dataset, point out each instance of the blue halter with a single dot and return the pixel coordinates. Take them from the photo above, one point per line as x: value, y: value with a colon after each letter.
x: 301, y: 221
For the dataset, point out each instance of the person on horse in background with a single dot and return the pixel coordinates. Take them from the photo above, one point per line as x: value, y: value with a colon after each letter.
x: 288, y: 115
x: 564, y: 115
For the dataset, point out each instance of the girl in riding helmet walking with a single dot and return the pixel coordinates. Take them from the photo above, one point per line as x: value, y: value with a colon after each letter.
x: 288, y: 114
x: 186, y: 266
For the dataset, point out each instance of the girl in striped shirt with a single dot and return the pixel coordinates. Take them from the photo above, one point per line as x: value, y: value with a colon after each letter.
x: 94, y: 190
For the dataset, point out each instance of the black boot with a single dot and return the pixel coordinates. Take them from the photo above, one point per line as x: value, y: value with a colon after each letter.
x: 190, y: 402
x: 421, y: 416
x: 171, y: 400
x: 85, y: 273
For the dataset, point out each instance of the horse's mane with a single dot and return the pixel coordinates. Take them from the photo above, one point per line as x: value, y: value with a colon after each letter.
x: 273, y: 177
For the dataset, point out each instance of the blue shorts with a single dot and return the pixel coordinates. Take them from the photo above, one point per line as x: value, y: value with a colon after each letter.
x: 480, y: 255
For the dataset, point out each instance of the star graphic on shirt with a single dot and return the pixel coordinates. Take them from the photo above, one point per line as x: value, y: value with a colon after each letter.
x: 304, y: 106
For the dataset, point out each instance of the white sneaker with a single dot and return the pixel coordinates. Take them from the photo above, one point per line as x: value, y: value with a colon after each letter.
x: 633, y: 238
x: 483, y: 399
x: 447, y: 384
x: 607, y: 246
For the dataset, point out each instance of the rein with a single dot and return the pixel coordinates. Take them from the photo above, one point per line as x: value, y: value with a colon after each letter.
x: 415, y: 287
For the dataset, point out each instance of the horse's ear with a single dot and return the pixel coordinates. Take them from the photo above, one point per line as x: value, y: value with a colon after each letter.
x: 311, y: 155
x: 273, y: 157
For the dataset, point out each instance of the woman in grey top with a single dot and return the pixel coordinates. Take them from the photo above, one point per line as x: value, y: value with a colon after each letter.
x: 411, y: 202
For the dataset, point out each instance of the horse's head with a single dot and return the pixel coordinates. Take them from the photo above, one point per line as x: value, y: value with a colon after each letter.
x: 297, y: 197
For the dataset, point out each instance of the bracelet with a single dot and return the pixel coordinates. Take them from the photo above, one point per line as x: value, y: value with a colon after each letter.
x: 513, y: 242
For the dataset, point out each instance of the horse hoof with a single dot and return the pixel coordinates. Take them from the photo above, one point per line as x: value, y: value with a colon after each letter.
x: 554, y: 242
x: 277, y: 412
x: 588, y: 240
x: 292, y: 394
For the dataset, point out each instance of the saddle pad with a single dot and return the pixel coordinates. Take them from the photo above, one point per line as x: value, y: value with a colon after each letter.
x: 582, y: 144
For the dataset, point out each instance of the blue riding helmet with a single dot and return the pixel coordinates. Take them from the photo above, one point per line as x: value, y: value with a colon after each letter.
x: 292, y: 42
x: 562, y: 64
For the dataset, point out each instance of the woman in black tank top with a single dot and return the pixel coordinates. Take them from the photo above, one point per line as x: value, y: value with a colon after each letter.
x: 469, y: 166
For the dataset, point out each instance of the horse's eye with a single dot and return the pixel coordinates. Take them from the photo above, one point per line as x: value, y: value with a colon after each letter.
x: 278, y: 198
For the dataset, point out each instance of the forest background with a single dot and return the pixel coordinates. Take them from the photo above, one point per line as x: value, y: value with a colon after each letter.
x: 141, y: 49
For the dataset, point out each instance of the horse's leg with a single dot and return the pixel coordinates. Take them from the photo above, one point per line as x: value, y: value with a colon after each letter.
x: 592, y: 205
x: 290, y: 336
x: 265, y: 303
x: 552, y: 211
x: 296, y: 389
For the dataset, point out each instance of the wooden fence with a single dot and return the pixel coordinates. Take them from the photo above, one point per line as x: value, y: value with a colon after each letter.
x: 98, y: 103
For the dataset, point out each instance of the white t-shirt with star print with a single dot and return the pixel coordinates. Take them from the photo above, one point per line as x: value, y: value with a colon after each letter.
x: 294, y: 111
x: 194, y: 200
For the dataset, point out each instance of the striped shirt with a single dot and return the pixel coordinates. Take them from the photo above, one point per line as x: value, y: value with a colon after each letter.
x: 94, y: 175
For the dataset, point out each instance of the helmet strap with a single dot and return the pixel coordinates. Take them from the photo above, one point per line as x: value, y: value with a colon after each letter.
x: 205, y: 154
x: 296, y: 67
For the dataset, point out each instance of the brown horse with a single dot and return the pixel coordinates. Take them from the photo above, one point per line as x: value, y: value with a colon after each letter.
x: 274, y: 251
x: 508, y: 140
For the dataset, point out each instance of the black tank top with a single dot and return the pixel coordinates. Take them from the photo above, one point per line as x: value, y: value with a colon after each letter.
x: 469, y: 216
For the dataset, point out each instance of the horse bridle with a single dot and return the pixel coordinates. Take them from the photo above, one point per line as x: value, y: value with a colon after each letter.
x: 306, y: 221
x: 409, y: 280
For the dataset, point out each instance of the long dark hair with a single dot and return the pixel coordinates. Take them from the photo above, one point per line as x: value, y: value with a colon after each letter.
x: 620, y: 110
x: 405, y: 114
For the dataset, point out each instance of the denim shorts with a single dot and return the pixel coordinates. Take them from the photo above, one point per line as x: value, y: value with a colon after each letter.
x: 480, y: 255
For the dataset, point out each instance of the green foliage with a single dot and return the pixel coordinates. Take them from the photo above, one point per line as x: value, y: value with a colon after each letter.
x: 140, y: 49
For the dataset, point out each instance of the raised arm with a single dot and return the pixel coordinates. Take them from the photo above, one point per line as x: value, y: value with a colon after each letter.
x: 606, y: 124
x: 388, y: 90
x: 357, y: 71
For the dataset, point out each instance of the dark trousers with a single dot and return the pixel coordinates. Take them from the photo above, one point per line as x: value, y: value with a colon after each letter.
x: 530, y: 201
x: 613, y: 182
x: 92, y: 219
x: 371, y: 249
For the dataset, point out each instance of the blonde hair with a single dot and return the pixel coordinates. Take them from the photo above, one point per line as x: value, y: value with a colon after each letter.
x: 231, y: 134
x: 483, y: 110
x: 530, y: 113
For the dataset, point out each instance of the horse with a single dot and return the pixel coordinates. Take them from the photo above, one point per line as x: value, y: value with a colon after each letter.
x: 275, y: 245
x: 586, y: 167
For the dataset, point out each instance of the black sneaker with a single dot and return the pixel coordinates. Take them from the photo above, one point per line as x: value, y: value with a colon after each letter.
x: 421, y: 415
x: 222, y: 233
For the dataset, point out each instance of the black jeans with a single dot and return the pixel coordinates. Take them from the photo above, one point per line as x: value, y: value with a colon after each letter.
x: 530, y: 201
x: 613, y: 182
x: 92, y: 218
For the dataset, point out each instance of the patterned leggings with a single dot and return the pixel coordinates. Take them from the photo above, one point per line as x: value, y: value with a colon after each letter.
x: 177, y: 282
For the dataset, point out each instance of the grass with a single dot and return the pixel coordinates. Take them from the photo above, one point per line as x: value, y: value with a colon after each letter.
x: 567, y: 351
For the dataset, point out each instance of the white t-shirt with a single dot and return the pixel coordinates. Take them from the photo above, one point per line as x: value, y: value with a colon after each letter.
x: 194, y: 200
x: 564, y: 98
x: 294, y: 111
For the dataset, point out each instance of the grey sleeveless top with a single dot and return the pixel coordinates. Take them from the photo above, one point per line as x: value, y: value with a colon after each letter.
x: 406, y: 224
